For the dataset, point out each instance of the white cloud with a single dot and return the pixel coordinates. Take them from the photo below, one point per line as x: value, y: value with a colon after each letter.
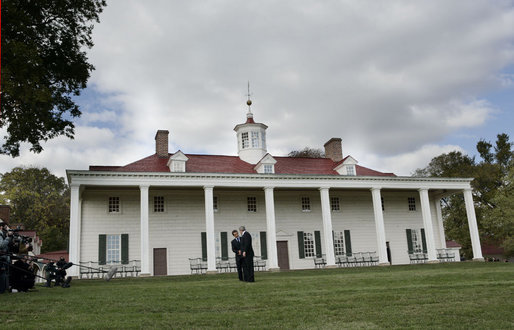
x: 389, y: 78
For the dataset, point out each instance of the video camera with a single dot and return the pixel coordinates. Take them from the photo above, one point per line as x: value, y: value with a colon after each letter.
x: 18, y: 240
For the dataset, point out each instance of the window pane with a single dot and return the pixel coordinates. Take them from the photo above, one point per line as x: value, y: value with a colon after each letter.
x: 113, y: 249
x: 412, y: 203
x: 255, y: 139
x: 306, y: 204
x: 334, y: 203
x: 244, y: 140
x: 158, y: 204
x: 252, y: 204
x: 338, y: 243
x: 114, y: 204
x: 308, y: 241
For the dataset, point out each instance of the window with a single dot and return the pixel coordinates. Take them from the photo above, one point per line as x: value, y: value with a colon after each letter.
x: 334, y: 203
x: 113, y: 249
x: 178, y: 166
x: 244, y: 140
x: 308, y: 244
x: 417, y: 244
x: 158, y: 204
x: 382, y: 201
x: 339, y: 243
x: 215, y: 203
x: 255, y: 139
x: 268, y: 168
x: 412, y: 203
x: 306, y: 204
x: 350, y: 170
x: 263, y: 140
x: 114, y: 205
x: 252, y: 204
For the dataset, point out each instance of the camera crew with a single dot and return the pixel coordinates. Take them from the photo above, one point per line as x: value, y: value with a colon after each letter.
x: 5, y: 243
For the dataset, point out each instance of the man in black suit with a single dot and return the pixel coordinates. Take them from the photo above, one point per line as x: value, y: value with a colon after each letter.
x: 236, y: 248
x: 247, y: 252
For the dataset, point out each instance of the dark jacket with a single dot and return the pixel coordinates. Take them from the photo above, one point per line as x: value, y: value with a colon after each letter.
x: 246, y: 244
x: 236, y: 247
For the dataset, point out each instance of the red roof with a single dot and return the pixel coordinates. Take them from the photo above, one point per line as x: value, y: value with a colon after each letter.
x: 233, y: 164
x: 452, y: 244
x: 53, y: 255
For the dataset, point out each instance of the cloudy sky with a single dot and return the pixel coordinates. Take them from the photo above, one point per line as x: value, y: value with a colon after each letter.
x: 399, y: 81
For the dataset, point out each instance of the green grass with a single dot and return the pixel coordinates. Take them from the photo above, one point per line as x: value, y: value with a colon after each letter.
x: 457, y: 295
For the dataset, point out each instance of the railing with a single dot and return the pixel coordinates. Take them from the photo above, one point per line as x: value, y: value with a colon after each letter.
x: 93, y: 270
x: 418, y: 257
x: 198, y: 266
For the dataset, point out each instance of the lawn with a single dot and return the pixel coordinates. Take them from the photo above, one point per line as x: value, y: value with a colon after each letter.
x: 457, y: 295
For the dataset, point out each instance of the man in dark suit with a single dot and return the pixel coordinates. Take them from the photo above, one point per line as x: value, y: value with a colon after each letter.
x: 247, y: 252
x: 236, y: 248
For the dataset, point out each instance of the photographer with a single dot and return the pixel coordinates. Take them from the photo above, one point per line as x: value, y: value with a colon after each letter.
x: 5, y: 243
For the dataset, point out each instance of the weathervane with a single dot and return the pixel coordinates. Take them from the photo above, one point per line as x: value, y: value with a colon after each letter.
x: 249, y: 102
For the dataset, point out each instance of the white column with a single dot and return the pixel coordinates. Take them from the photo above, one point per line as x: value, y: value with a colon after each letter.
x: 327, y: 227
x: 473, y: 228
x: 145, y: 233
x: 427, y: 224
x: 74, y: 242
x: 440, y: 224
x: 209, y: 228
x: 379, y: 227
x: 271, y: 229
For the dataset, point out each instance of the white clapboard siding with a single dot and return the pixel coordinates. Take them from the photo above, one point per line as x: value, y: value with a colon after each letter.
x: 179, y: 227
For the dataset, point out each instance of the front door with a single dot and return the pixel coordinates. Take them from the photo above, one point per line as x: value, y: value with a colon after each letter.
x: 160, y: 266
x: 283, y: 255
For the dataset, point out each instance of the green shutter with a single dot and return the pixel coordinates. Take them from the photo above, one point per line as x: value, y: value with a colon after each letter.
x: 301, y: 247
x: 224, y: 247
x: 264, y: 247
x: 409, y: 241
x: 423, y: 240
x: 348, y: 243
x: 317, y: 240
x: 204, y: 246
x: 102, y: 249
x: 124, y: 249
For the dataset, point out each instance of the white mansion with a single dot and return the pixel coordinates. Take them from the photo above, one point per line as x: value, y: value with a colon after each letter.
x: 166, y: 208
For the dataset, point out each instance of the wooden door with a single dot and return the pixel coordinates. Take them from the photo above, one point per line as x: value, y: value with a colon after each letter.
x: 160, y: 266
x: 283, y: 255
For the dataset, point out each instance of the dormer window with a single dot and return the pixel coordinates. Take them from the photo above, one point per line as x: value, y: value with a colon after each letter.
x: 266, y: 165
x: 347, y: 167
x: 177, y: 162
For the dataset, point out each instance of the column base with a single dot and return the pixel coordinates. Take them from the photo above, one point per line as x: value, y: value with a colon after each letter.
x: 330, y: 266
x: 433, y: 261
x: 479, y: 259
x: 274, y: 270
x: 384, y: 264
x: 211, y: 272
x: 145, y: 275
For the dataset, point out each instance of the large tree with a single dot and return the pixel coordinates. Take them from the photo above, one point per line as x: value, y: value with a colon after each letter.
x: 44, y: 64
x: 307, y: 153
x: 492, y: 192
x: 40, y: 201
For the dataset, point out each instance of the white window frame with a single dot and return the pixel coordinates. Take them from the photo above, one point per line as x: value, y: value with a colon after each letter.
x: 309, y: 246
x: 178, y: 166
x: 411, y: 201
x: 255, y: 139
x: 245, y: 141
x: 114, y: 205
x: 157, y: 203
x: 268, y: 168
x: 215, y: 203
x: 335, y: 204
x: 251, y: 204
x: 306, y: 204
x: 339, y: 243
x: 417, y: 241
x: 350, y: 169
x: 113, y: 249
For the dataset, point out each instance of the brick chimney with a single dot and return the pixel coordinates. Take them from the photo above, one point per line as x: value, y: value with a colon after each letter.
x: 334, y: 149
x: 5, y: 213
x: 161, y: 143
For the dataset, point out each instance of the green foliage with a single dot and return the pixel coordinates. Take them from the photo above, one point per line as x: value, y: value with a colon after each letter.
x: 307, y: 153
x: 40, y: 201
x: 44, y: 64
x: 492, y: 192
x: 455, y: 295
x: 508, y: 247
